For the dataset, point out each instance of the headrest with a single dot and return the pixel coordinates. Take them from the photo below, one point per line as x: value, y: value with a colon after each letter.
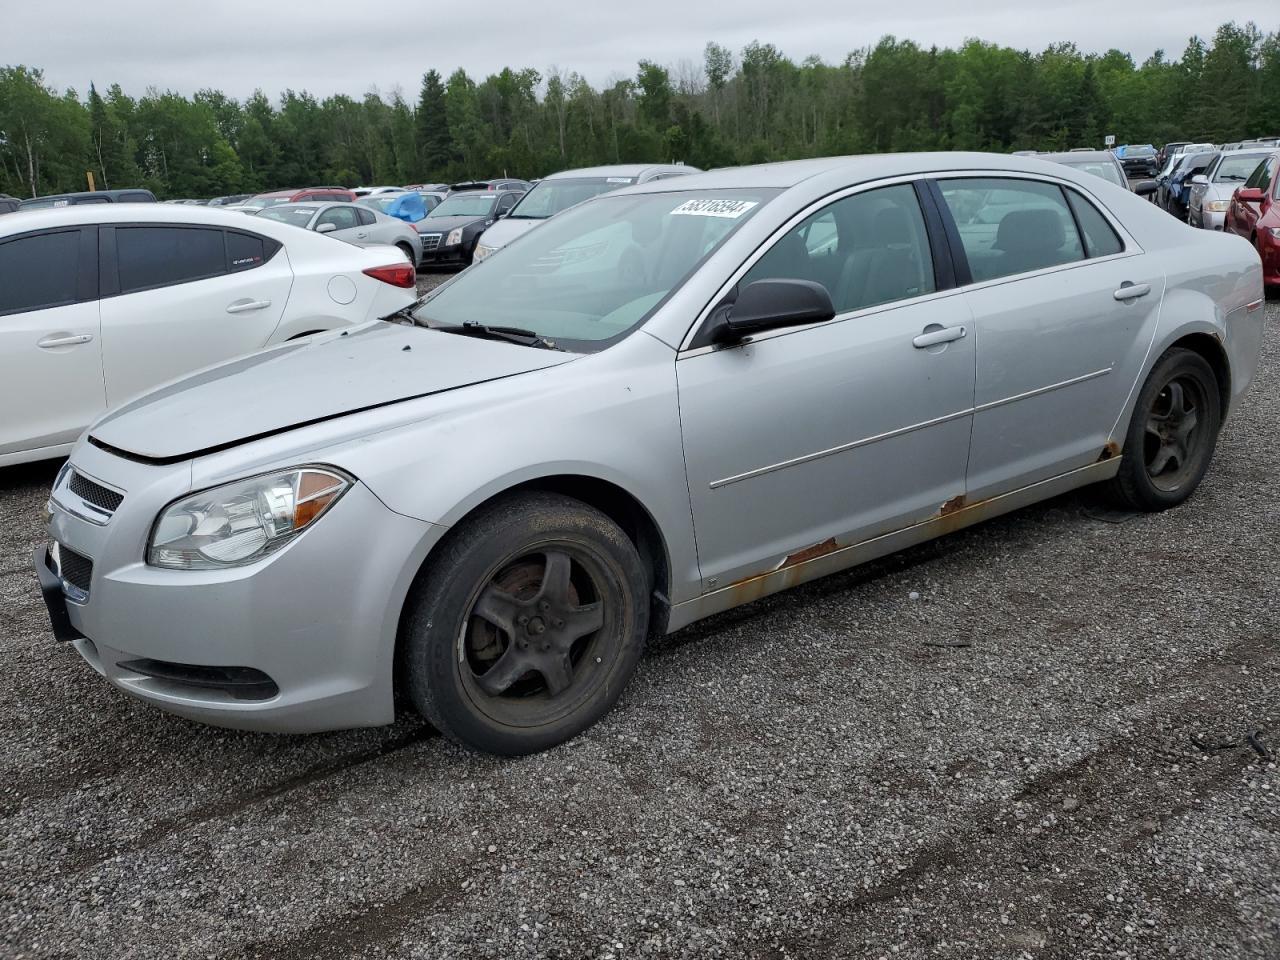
x: 1030, y: 230
x: 892, y: 225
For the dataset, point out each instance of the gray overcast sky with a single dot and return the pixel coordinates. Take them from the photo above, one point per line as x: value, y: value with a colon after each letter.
x: 327, y: 46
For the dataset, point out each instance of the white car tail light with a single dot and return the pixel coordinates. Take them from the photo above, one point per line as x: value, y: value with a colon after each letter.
x: 396, y: 274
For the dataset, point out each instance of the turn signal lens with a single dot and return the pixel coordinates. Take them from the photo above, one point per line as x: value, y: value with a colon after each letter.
x: 396, y: 274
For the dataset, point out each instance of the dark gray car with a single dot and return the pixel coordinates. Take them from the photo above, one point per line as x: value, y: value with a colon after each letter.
x: 1101, y: 163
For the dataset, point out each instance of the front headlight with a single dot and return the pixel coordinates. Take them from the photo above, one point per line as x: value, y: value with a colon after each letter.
x: 243, y: 521
x: 1217, y: 206
x: 482, y: 251
x: 1274, y: 231
x: 454, y: 238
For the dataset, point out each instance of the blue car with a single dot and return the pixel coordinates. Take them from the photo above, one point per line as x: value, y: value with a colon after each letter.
x: 408, y: 206
x: 1178, y: 193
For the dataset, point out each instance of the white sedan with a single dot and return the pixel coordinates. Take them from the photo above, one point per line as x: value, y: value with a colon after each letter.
x: 101, y: 303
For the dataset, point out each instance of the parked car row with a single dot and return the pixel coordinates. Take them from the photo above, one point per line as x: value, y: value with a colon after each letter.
x: 663, y: 402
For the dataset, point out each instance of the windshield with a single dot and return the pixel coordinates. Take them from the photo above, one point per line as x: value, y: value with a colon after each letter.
x: 466, y: 205
x: 1140, y: 152
x: 551, y: 196
x: 597, y: 271
x: 1099, y: 168
x: 288, y: 213
x: 1236, y: 169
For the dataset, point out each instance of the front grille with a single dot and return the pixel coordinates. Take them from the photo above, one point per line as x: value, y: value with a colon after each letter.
x: 75, y: 568
x: 430, y: 241
x: 95, y: 493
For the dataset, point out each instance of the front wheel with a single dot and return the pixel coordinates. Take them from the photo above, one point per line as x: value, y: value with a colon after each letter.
x: 527, y: 625
x: 1172, y: 435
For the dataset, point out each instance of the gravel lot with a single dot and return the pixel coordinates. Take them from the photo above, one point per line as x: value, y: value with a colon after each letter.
x: 817, y: 775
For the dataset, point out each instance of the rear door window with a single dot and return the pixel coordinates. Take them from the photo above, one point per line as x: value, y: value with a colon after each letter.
x: 150, y: 257
x: 39, y: 271
x: 1009, y: 226
x: 343, y: 218
x: 366, y: 216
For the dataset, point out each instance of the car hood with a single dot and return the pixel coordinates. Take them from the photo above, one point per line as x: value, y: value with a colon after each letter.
x: 504, y: 231
x: 1222, y: 190
x: 445, y: 224
x: 305, y: 382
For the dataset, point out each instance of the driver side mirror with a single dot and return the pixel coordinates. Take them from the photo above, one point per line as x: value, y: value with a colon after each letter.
x: 768, y: 305
x: 1144, y: 188
x: 1200, y: 180
x: 326, y: 228
x: 1249, y: 195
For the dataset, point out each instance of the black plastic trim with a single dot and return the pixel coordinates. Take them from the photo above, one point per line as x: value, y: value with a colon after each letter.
x: 54, y: 601
x: 944, y: 268
x: 960, y: 262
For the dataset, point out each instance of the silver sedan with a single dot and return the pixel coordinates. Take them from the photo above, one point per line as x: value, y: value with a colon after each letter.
x: 669, y: 401
x: 351, y: 222
x: 1211, y: 191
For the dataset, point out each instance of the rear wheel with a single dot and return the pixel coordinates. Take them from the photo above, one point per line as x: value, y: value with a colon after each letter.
x: 526, y: 627
x: 1172, y: 435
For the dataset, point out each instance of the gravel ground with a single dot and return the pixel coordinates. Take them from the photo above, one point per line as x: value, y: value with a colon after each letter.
x: 810, y: 776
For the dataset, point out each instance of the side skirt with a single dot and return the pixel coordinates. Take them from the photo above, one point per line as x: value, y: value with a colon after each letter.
x: 832, y: 557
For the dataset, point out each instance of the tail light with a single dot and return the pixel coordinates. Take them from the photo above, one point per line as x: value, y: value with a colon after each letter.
x: 396, y: 274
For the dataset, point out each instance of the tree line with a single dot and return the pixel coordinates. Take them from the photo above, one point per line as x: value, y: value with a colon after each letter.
x: 752, y: 106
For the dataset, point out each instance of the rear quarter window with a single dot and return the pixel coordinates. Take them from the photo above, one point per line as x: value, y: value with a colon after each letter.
x: 246, y: 251
x: 1100, y: 239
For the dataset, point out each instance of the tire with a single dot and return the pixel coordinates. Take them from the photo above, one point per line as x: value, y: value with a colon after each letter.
x: 1172, y: 435
x: 505, y: 614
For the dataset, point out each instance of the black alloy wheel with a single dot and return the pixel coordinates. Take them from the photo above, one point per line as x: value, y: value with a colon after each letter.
x: 1172, y: 434
x: 525, y: 625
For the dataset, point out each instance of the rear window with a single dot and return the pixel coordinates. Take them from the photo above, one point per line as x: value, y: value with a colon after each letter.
x: 151, y: 257
x: 1099, y: 168
x: 38, y: 272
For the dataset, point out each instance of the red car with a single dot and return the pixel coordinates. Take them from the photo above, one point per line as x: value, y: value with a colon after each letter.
x: 1255, y: 215
x: 276, y: 197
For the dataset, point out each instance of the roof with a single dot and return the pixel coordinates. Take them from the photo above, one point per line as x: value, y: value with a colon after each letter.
x: 849, y: 170
x: 1078, y: 156
x: 40, y: 218
x: 629, y: 170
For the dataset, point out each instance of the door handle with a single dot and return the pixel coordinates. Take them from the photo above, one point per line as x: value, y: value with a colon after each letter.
x: 1131, y: 291
x: 931, y: 338
x: 362, y: 236
x: 69, y: 340
x: 248, y: 306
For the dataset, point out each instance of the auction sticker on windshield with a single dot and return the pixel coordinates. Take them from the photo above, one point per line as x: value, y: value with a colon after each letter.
x: 729, y: 209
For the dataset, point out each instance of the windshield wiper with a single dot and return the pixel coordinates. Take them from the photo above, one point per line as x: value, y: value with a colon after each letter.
x: 525, y: 338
